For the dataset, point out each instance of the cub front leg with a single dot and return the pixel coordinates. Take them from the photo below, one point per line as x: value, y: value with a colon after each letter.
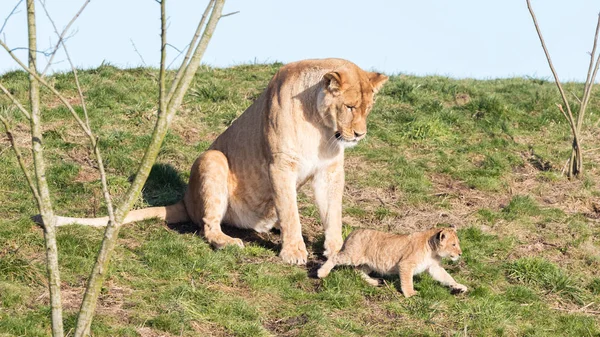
x: 328, y: 186
x: 441, y: 275
x: 406, y: 279
x: 283, y: 181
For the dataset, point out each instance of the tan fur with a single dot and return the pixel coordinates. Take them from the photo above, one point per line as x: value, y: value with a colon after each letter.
x: 294, y: 132
x: 406, y: 255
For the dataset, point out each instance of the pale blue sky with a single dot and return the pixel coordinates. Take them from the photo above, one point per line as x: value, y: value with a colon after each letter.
x: 459, y: 38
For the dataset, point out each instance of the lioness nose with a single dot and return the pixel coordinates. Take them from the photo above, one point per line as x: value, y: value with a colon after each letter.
x: 359, y: 134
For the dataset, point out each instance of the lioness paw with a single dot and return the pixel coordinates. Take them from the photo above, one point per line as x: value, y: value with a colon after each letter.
x: 294, y: 253
x: 221, y: 241
x: 410, y: 293
x: 459, y: 288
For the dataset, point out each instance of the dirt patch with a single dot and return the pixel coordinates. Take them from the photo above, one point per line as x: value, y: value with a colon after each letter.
x: 208, y: 329
x: 22, y: 139
x: 148, y: 332
x: 286, y: 326
x: 110, y: 303
x: 55, y: 102
x: 462, y: 99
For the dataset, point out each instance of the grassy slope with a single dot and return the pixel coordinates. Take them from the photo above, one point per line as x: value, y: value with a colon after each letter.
x: 485, y: 155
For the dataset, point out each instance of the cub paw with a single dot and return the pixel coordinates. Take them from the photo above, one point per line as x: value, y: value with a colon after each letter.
x: 322, y: 272
x: 294, y: 253
x: 459, y: 288
x: 374, y: 282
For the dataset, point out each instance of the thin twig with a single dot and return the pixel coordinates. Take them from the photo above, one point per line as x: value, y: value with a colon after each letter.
x: 93, y: 140
x: 14, y: 11
x: 591, y: 76
x: 575, y: 96
x: 83, y: 105
x: 52, y: 89
x: 138, y: 53
x: 15, y: 102
x: 228, y: 14
x: 61, y: 36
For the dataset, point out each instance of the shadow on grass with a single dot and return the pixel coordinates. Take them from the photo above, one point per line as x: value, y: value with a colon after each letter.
x: 164, y: 186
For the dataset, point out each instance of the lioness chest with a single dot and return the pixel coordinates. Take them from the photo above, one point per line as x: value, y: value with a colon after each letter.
x: 251, y: 202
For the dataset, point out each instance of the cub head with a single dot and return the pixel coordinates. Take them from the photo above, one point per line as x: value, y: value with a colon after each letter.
x: 346, y: 100
x: 447, y: 244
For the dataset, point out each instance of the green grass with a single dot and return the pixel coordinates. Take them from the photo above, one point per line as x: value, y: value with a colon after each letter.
x: 483, y: 155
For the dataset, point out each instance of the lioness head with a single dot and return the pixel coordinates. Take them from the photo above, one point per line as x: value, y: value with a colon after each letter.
x: 447, y: 244
x: 346, y: 100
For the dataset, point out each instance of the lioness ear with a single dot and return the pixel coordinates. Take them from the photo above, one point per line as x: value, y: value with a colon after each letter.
x: 377, y: 80
x: 333, y: 81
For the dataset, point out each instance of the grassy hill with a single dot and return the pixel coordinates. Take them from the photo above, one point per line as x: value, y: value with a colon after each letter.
x: 484, y: 155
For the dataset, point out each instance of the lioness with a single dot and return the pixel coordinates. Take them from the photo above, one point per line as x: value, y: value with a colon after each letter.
x: 295, y: 131
x: 408, y: 255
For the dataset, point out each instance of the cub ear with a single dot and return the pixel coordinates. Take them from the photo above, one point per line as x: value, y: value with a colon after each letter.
x: 333, y: 81
x: 377, y: 80
x: 441, y: 236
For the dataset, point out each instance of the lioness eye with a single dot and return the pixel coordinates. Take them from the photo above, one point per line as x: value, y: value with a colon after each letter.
x: 454, y: 245
x: 350, y: 108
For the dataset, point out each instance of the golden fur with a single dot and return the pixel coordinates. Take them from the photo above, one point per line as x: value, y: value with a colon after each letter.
x: 294, y: 132
x: 406, y: 255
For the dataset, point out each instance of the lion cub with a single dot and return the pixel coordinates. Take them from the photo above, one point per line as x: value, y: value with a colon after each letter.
x: 408, y: 255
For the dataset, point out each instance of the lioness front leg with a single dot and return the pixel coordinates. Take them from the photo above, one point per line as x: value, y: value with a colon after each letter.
x: 328, y: 188
x: 206, y: 198
x: 283, y: 181
x: 441, y: 275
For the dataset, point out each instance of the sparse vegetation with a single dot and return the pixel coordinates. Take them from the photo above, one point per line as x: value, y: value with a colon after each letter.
x: 484, y: 155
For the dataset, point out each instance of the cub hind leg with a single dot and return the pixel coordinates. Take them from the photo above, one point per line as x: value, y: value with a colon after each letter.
x: 364, y: 274
x: 207, y: 197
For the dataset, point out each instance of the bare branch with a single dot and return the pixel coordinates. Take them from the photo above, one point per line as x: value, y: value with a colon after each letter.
x: 190, y: 51
x: 14, y: 11
x: 92, y: 139
x: 591, y: 77
x: 61, y: 36
x: 15, y: 102
x: 560, y: 88
x: 589, y: 81
x: 45, y: 204
x: 163, y: 56
x: 33, y: 74
x: 162, y: 125
x: 576, y: 166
